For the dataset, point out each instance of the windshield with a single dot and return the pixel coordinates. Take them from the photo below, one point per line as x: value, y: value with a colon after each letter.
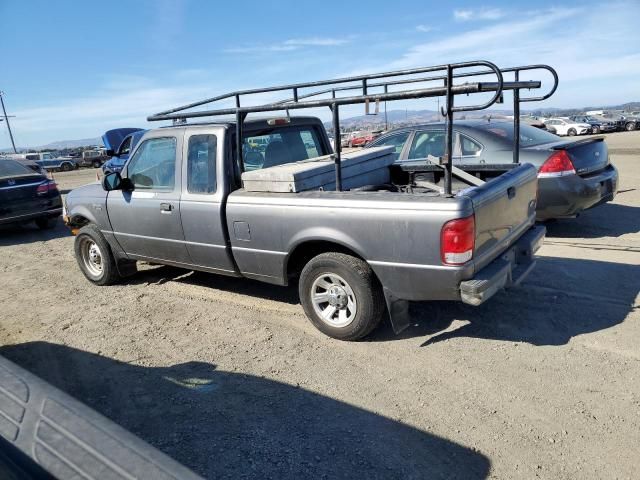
x: 529, y: 135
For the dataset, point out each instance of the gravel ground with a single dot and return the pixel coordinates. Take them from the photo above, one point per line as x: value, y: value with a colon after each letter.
x: 229, y: 378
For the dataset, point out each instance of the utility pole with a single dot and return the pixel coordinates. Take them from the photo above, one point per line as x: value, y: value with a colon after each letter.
x: 6, y: 119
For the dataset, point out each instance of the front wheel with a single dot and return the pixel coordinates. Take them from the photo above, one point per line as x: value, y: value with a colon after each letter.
x: 66, y: 167
x: 341, y: 296
x: 595, y: 130
x: 96, y: 164
x: 630, y: 126
x: 94, y: 256
x: 572, y: 132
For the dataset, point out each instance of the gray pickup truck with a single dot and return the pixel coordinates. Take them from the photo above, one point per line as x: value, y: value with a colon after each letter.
x: 179, y: 201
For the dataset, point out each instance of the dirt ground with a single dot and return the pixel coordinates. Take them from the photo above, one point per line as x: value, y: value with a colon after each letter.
x: 229, y: 378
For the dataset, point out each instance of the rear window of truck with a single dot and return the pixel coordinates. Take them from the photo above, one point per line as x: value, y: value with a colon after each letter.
x: 280, y: 145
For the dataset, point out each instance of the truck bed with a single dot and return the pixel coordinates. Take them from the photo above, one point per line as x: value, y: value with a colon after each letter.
x: 397, y: 233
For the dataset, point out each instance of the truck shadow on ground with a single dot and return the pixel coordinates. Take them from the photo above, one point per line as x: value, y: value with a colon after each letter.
x: 608, y: 220
x: 562, y: 298
x: 29, y: 233
x: 224, y: 424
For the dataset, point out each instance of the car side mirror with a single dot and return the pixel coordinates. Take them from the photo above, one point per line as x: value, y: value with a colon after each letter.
x: 114, y: 181
x: 111, y: 153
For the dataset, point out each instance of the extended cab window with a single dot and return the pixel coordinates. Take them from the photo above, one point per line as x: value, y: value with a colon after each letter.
x: 277, y: 146
x: 201, y: 164
x: 397, y: 141
x: 468, y: 147
x: 428, y: 142
x: 153, y: 166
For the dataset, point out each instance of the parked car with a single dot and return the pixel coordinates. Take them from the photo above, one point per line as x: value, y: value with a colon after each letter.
x: 360, y: 139
x: 61, y: 164
x: 27, y: 196
x: 563, y: 126
x: 597, y: 125
x: 92, y: 158
x: 27, y: 159
x: 120, y: 142
x: 573, y: 175
x: 178, y: 201
x: 623, y: 122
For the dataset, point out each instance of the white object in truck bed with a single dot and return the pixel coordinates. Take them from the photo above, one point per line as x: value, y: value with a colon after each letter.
x: 366, y: 167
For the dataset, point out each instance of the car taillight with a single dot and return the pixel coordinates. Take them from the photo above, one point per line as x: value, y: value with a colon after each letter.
x: 557, y: 165
x: 457, y: 240
x: 46, y: 187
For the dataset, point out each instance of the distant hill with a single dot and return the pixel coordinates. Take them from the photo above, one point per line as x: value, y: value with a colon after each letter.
x: 61, y: 145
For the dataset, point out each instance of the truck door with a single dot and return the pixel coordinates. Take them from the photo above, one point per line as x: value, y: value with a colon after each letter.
x: 202, y: 205
x: 146, y: 221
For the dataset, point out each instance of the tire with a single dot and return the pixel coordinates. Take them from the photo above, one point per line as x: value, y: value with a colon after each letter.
x: 353, y: 285
x: 572, y: 132
x: 630, y: 126
x: 96, y: 164
x: 595, y: 130
x: 66, y: 167
x: 94, y: 256
x: 46, y: 223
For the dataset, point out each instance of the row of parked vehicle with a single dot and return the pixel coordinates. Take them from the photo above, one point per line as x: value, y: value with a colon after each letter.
x: 592, y: 124
x: 48, y: 161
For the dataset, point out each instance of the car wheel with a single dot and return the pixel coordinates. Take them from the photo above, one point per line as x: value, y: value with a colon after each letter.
x: 595, y: 130
x: 572, y: 132
x: 46, y: 223
x: 630, y: 126
x: 94, y: 256
x: 341, y: 296
x: 65, y: 167
x: 96, y: 164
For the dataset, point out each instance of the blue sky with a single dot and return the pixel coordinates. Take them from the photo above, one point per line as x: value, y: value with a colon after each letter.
x: 74, y: 69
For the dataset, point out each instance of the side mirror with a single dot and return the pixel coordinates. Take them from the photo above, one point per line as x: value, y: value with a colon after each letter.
x: 111, y: 153
x: 114, y: 181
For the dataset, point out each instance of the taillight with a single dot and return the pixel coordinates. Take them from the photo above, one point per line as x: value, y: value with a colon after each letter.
x: 46, y: 187
x: 557, y: 165
x: 457, y: 240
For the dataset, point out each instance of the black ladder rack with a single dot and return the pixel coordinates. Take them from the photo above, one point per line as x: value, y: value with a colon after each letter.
x: 448, y: 73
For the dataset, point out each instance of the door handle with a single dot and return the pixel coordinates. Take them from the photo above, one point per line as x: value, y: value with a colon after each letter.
x: 166, y: 207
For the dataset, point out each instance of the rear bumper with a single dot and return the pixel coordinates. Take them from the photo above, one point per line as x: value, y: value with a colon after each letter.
x: 569, y: 195
x: 27, y: 217
x: 508, y: 270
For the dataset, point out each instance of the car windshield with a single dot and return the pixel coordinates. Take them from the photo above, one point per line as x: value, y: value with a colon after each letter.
x: 11, y: 168
x: 529, y: 135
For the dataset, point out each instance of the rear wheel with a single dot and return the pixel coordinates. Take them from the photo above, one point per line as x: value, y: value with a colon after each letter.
x: 595, y: 130
x: 341, y: 296
x: 46, y: 223
x: 630, y: 126
x: 572, y: 132
x: 66, y: 167
x: 96, y: 164
x: 94, y: 256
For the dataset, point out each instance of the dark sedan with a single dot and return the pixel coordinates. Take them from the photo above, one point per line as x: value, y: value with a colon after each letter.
x: 597, y: 125
x: 573, y: 175
x: 27, y: 196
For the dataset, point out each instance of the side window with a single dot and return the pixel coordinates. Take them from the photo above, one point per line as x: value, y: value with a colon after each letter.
x: 201, y: 164
x: 429, y: 142
x: 125, y: 148
x: 153, y: 167
x: 397, y: 141
x: 470, y: 148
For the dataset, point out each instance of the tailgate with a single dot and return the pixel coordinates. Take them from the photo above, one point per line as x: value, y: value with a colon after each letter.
x: 504, y: 208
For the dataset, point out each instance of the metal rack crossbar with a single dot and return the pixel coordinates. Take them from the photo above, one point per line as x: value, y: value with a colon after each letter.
x: 399, y: 77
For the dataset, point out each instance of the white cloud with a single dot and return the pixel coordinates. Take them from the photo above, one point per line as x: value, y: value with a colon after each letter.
x: 424, y: 28
x: 290, y: 45
x: 465, y: 15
